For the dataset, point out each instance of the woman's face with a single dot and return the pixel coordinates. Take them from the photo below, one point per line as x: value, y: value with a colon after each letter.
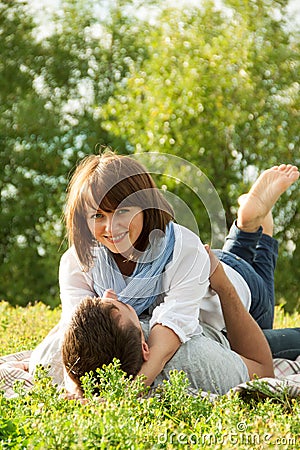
x: 117, y: 230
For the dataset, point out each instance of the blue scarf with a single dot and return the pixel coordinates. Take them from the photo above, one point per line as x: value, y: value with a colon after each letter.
x: 144, y: 285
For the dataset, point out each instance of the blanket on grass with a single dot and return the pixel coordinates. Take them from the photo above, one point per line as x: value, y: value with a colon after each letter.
x: 285, y: 385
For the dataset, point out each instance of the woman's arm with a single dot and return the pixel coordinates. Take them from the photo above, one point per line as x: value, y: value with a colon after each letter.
x: 244, y: 335
x: 185, y: 284
x: 162, y: 343
x: 176, y: 319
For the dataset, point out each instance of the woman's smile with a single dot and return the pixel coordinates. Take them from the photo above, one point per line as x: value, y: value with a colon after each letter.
x: 117, y: 238
x: 117, y: 230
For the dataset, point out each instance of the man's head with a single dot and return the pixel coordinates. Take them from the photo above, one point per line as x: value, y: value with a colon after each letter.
x: 101, y: 330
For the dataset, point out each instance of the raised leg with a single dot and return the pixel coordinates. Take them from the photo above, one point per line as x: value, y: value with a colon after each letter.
x: 250, y: 238
x: 256, y: 206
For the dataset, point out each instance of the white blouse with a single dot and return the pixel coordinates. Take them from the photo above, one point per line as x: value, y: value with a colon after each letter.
x: 186, y: 297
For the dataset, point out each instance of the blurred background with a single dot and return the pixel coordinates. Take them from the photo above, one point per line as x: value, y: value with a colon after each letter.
x: 215, y: 83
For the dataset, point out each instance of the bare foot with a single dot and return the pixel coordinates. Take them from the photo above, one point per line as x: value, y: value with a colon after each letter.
x: 267, y: 222
x: 257, y: 204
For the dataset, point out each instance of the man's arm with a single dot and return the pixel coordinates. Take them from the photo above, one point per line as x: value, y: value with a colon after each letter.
x: 163, y: 343
x: 244, y: 334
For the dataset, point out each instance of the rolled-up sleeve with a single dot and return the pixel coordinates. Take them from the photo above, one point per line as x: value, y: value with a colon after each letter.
x: 185, y: 283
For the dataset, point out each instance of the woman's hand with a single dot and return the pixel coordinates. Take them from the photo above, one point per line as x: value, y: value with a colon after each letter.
x: 110, y: 293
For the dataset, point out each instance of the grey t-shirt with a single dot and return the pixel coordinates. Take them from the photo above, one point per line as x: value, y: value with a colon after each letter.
x: 208, y: 361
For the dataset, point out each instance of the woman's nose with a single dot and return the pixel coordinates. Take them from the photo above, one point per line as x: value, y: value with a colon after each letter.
x: 110, y: 223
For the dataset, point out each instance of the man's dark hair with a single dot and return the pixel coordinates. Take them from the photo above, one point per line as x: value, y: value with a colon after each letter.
x: 95, y: 337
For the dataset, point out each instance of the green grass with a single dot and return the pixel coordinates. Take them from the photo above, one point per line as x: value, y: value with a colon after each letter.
x: 123, y: 419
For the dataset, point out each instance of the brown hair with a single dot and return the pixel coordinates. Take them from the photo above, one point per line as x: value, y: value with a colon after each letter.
x: 95, y: 337
x: 106, y: 181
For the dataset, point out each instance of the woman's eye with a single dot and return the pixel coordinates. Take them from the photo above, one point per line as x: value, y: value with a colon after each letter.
x: 122, y: 211
x: 97, y: 216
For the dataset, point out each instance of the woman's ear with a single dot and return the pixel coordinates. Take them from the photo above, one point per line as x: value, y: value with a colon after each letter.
x: 145, y: 351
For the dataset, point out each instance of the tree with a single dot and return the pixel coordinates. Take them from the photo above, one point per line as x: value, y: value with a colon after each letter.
x: 52, y: 91
x: 219, y: 88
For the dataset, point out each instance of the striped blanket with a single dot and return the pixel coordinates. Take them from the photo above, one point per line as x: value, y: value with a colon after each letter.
x: 286, y: 382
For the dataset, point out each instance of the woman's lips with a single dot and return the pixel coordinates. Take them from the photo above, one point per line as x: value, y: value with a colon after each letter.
x: 117, y: 238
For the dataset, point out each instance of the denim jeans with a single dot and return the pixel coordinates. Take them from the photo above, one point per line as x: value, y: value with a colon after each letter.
x: 254, y: 256
x: 284, y: 343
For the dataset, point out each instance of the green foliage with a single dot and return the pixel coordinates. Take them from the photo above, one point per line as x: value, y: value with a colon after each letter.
x: 219, y: 88
x: 111, y: 379
x: 125, y: 415
x: 51, y: 91
x: 44, y: 419
x: 24, y: 328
